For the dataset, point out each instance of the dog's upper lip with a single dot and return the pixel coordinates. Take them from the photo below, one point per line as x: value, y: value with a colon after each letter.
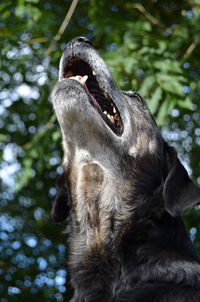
x: 76, y: 68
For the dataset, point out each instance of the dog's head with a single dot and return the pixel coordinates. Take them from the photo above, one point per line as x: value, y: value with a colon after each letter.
x: 112, y: 145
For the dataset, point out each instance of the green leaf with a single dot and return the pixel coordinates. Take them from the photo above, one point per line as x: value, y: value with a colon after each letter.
x: 34, y: 153
x: 147, y: 85
x: 33, y: 1
x: 146, y: 26
x: 170, y: 84
x: 129, y: 40
x: 154, y: 101
x: 4, y: 5
x: 27, y: 162
x: 20, y: 10
x: 128, y: 64
x: 168, y: 65
x: 33, y: 12
x: 186, y: 104
x: 162, y: 46
x: 56, y: 135
x: 23, y: 178
x: 196, y: 11
x: 162, y: 113
x: 171, y: 77
x: 4, y: 138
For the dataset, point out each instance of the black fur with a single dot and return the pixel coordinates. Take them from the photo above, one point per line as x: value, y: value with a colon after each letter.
x: 60, y: 208
x: 124, y: 193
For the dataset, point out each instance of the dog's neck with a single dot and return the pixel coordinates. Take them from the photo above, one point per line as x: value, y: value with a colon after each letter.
x: 102, y: 204
x: 111, y: 232
x: 113, y: 229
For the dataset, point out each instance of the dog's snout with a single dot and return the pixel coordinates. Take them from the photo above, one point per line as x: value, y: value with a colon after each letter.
x: 83, y: 40
x: 77, y: 44
x: 80, y: 40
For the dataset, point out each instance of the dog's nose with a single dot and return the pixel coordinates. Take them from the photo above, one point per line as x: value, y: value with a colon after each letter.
x: 83, y: 40
x: 80, y: 40
x: 78, y: 43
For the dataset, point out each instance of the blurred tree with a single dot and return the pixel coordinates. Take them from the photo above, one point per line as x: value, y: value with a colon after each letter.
x: 151, y: 47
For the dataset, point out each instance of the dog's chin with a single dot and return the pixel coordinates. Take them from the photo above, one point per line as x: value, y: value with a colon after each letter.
x: 80, y: 119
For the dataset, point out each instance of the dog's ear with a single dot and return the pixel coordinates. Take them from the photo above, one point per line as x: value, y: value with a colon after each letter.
x: 180, y: 193
x: 60, y: 207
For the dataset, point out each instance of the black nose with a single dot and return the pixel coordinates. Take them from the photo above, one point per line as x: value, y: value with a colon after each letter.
x: 79, y: 40
x: 82, y: 40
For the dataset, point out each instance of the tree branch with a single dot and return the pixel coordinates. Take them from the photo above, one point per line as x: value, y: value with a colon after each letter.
x: 62, y: 27
x: 189, y: 51
x: 151, y: 18
x: 37, y: 40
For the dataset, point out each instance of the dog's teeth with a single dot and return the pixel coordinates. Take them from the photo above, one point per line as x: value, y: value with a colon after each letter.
x: 114, y: 110
x: 110, y: 117
x: 83, y: 80
x: 113, y: 118
x: 94, y: 73
x: 118, y: 123
x: 105, y: 95
x: 116, y: 117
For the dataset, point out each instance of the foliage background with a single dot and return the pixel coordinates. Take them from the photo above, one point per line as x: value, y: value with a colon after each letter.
x: 151, y: 47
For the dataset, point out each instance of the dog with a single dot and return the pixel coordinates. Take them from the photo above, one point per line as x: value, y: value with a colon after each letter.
x: 122, y: 192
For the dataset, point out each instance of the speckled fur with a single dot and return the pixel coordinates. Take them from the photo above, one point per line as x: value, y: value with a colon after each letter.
x: 122, y: 196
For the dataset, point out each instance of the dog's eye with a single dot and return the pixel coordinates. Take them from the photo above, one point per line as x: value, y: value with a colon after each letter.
x: 133, y: 94
x: 129, y: 93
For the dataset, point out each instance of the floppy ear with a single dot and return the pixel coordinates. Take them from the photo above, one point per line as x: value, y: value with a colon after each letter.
x: 180, y: 193
x: 60, y: 207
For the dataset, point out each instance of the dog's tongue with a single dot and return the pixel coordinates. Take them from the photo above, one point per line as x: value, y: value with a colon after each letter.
x: 83, y: 80
x: 80, y: 79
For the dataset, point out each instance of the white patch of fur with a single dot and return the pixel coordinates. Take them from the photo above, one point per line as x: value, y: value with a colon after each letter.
x: 133, y: 151
x: 114, y: 201
x: 152, y: 146
x: 113, y: 198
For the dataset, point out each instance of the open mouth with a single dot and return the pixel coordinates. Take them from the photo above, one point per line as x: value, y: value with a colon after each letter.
x: 81, y: 71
